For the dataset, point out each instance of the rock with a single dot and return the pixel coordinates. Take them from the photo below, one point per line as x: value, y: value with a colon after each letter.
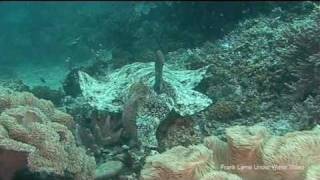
x: 108, y: 169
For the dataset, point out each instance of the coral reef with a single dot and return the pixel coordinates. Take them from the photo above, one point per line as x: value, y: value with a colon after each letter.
x: 259, y: 71
x: 250, y: 153
x: 255, y: 92
x: 308, y: 111
x: 178, y: 131
x: 263, y: 72
x: 16, y: 85
x: 299, y: 50
x: 179, y: 163
x: 35, y: 128
x: 286, y: 157
x: 44, y: 92
x: 223, y: 111
x: 192, y: 163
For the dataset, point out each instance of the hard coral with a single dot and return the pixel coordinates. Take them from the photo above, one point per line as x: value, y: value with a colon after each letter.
x: 301, y: 58
x: 34, y: 126
x: 178, y: 131
x: 309, y: 111
x: 223, y: 111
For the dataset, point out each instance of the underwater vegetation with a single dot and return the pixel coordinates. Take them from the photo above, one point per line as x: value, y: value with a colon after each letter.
x: 160, y: 91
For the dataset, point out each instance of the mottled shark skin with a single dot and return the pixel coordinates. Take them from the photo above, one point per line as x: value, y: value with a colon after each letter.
x: 108, y: 94
x: 177, y: 95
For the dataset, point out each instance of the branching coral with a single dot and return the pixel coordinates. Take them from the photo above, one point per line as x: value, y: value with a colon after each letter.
x: 34, y: 126
x: 299, y: 52
x: 258, y: 59
x: 308, y: 111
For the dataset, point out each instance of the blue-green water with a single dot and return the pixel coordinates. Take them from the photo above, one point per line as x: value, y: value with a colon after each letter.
x: 159, y: 90
x: 43, y: 34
